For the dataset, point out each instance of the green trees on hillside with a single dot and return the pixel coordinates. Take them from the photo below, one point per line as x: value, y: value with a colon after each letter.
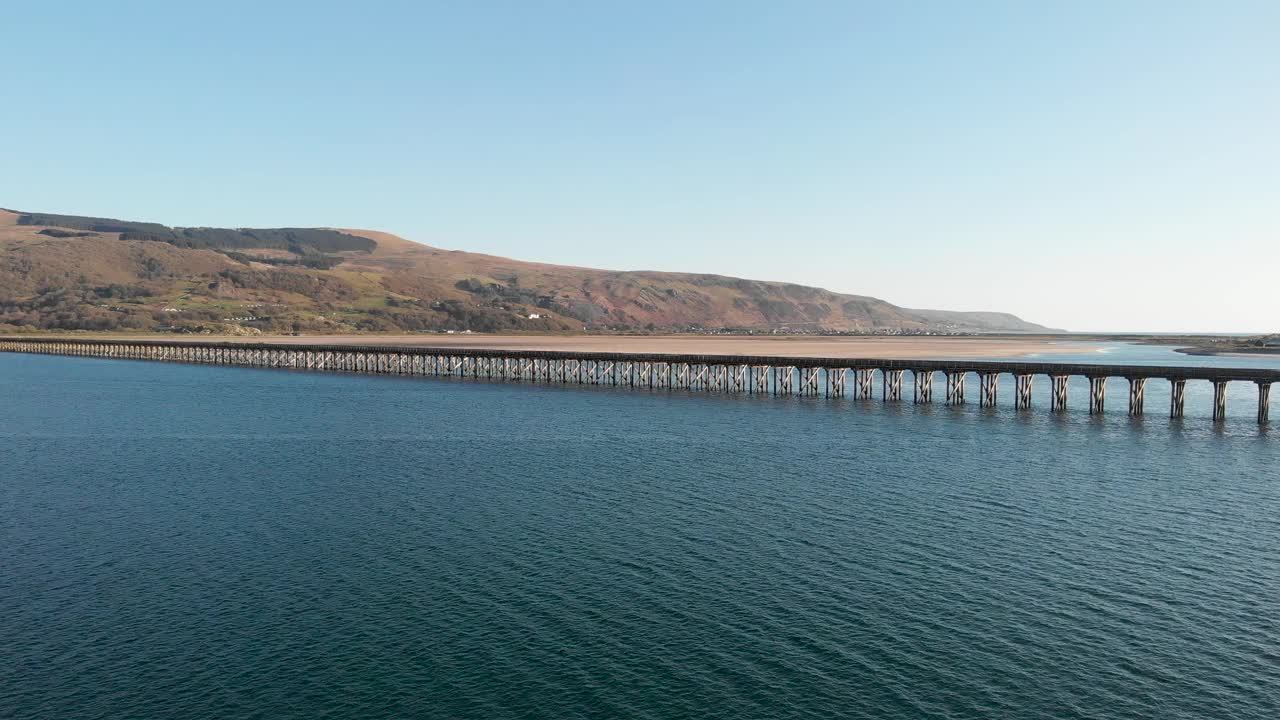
x: 303, y: 241
x: 109, y: 307
x: 316, y: 261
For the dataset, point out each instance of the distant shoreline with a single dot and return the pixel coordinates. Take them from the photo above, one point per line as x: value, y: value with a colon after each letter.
x: 1228, y: 352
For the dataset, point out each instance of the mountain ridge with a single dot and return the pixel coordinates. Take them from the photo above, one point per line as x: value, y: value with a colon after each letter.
x: 80, y: 272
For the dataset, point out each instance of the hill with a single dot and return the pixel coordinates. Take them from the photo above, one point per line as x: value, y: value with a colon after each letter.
x: 73, y: 272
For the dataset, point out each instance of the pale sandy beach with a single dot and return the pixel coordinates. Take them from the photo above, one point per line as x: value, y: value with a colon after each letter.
x: 918, y: 347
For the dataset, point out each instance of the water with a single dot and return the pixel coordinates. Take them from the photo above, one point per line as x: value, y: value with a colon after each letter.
x: 1134, y: 354
x: 193, y: 541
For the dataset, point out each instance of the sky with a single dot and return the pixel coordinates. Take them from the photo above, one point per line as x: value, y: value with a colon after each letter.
x: 1095, y: 166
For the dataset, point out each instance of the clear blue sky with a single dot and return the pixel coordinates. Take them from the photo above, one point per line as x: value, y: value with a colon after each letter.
x: 1091, y: 165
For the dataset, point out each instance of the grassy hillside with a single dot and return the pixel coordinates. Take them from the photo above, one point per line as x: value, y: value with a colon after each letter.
x: 71, y: 272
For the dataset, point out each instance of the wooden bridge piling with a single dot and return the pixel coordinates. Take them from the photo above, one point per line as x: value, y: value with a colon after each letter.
x: 1219, y: 400
x: 891, y: 385
x: 989, y: 388
x: 1097, y: 394
x: 955, y: 386
x: 1022, y: 390
x: 1137, y: 395
x: 922, y: 380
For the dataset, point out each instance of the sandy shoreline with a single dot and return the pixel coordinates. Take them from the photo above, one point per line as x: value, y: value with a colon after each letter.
x: 1202, y: 352
x: 868, y: 347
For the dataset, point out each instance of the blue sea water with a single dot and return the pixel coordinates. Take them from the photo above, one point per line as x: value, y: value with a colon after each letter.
x: 185, y: 541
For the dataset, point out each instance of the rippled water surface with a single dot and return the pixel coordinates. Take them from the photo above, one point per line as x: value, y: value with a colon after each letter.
x: 193, y: 542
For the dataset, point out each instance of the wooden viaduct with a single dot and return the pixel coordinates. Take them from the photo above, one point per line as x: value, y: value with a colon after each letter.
x: 712, y: 373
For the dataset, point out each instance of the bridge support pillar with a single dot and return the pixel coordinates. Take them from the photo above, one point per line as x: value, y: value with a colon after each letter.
x: 1264, y: 402
x: 1022, y: 390
x: 923, y: 382
x: 1177, y: 397
x: 1137, y: 395
x: 809, y: 381
x: 702, y: 378
x: 760, y: 379
x: 955, y: 387
x: 835, y: 381
x: 863, y: 378
x: 1058, y: 398
x: 783, y: 380
x: 678, y: 375
x: 1097, y: 395
x: 1219, y: 400
x: 891, y: 385
x: 990, y: 386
